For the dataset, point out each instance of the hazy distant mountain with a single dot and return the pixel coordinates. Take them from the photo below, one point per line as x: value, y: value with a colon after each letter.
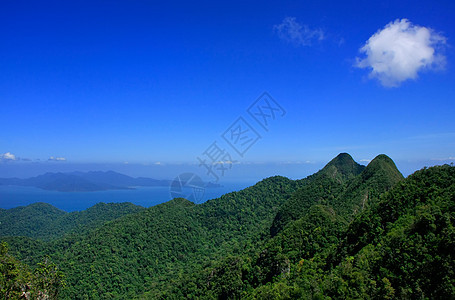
x: 84, y: 181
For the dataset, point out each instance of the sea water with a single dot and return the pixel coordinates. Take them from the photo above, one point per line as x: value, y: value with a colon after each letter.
x: 13, y: 196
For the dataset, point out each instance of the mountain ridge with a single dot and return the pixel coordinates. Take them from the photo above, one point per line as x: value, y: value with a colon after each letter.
x: 317, y: 188
x: 84, y: 181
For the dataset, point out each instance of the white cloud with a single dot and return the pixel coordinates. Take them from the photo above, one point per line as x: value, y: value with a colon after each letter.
x: 400, y: 50
x: 291, y: 31
x: 8, y: 156
x: 296, y: 162
x: 444, y: 158
x: 57, y: 158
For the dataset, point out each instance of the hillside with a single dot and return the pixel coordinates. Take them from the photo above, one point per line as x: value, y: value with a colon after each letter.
x: 317, y: 214
x: 46, y: 222
x: 27, y: 220
x: 399, y: 247
x: 343, y: 185
x: 347, y: 231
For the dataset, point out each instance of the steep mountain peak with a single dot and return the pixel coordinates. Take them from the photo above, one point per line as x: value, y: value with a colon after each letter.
x: 379, y: 176
x: 382, y: 158
x: 382, y: 164
x: 343, y: 164
x: 343, y: 156
x: 319, y: 188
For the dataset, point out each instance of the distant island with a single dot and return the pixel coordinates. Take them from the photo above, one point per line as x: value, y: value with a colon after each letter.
x: 87, y: 181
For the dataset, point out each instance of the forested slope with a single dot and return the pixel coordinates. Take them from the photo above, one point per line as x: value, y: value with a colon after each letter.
x: 46, y: 222
x: 348, y: 231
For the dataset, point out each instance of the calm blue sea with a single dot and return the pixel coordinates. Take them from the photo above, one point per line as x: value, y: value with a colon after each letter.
x: 13, y: 196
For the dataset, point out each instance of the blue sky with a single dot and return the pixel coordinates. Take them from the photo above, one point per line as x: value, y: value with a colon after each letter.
x: 156, y: 83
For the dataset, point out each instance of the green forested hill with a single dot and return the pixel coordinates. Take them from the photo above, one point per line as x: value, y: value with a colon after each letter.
x: 401, y: 247
x: 137, y: 252
x: 168, y: 240
x: 46, y: 222
x: 27, y: 220
x: 319, y: 188
x: 347, y: 231
x: 342, y: 184
x: 316, y: 216
x: 379, y: 176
